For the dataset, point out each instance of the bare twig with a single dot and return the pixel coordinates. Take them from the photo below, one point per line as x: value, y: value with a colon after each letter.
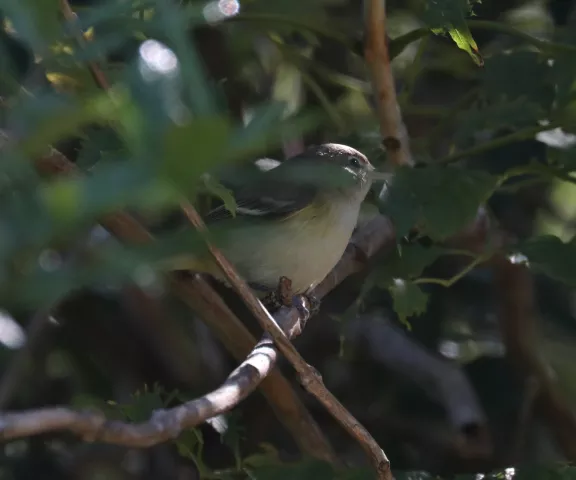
x: 375, y: 234
x: 393, y: 130
x: 229, y: 329
x: 309, y: 378
x: 164, y: 424
x: 283, y: 400
x: 515, y: 290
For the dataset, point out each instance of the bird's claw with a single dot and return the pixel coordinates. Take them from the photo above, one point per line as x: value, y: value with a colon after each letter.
x: 307, y: 304
x: 272, y: 301
x: 281, y: 296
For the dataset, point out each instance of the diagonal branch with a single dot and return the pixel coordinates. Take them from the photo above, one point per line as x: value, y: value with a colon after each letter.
x: 308, y: 376
x: 164, y: 424
x: 392, y: 129
x: 234, y: 335
x: 371, y: 238
x: 284, y: 401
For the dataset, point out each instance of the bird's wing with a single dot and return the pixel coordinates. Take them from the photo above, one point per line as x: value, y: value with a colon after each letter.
x: 270, y: 198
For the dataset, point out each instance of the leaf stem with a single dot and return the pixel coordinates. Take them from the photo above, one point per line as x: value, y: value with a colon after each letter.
x: 519, y: 135
x: 544, y: 45
x: 448, y: 282
x: 398, y: 44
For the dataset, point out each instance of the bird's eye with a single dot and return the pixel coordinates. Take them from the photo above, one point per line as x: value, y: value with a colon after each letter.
x: 355, y: 162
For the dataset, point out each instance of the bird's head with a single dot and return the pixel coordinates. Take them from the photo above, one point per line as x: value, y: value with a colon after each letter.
x: 354, y: 164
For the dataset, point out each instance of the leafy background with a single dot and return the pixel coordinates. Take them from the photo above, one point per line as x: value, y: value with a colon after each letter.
x: 487, y: 93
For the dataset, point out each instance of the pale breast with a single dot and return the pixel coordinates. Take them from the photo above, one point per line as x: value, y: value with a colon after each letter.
x: 305, y: 249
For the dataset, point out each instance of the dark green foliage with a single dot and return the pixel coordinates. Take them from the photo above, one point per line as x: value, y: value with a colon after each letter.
x: 552, y: 256
x: 422, y: 197
x: 165, y: 132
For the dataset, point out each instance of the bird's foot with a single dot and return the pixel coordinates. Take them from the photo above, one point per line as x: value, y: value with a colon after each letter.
x: 307, y: 304
x: 281, y: 296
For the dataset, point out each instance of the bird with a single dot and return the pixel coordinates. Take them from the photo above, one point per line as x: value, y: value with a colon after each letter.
x: 294, y: 221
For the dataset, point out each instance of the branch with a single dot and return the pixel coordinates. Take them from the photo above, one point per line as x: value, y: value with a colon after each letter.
x: 308, y: 376
x: 374, y: 235
x: 517, y: 318
x: 164, y: 424
x: 285, y: 403
x: 392, y: 129
x: 517, y: 136
x: 230, y: 330
x: 401, y: 42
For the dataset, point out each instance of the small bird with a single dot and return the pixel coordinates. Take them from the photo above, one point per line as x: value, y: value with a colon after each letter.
x: 290, y: 224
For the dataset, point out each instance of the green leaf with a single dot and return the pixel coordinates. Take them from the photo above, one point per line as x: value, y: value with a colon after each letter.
x: 188, y: 443
x: 194, y: 148
x: 143, y: 405
x: 38, y: 23
x: 443, y: 13
x: 440, y: 201
x: 463, y: 39
x: 214, y: 187
x: 267, y: 128
x: 549, y: 255
x: 408, y: 300
x: 112, y: 186
x: 111, y: 263
x: 99, y: 144
x: 545, y: 471
x: 57, y: 123
x: 516, y: 113
x: 268, y: 456
x: 563, y: 157
x: 448, y: 16
x: 408, y: 262
x: 519, y: 75
x: 175, y: 26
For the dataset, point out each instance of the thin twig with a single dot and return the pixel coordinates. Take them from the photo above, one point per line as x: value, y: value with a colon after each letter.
x: 392, y: 129
x: 309, y: 377
x: 288, y: 407
x: 370, y: 238
x: 276, y: 388
x: 229, y: 329
x: 164, y: 424
x: 448, y: 282
x: 517, y: 136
